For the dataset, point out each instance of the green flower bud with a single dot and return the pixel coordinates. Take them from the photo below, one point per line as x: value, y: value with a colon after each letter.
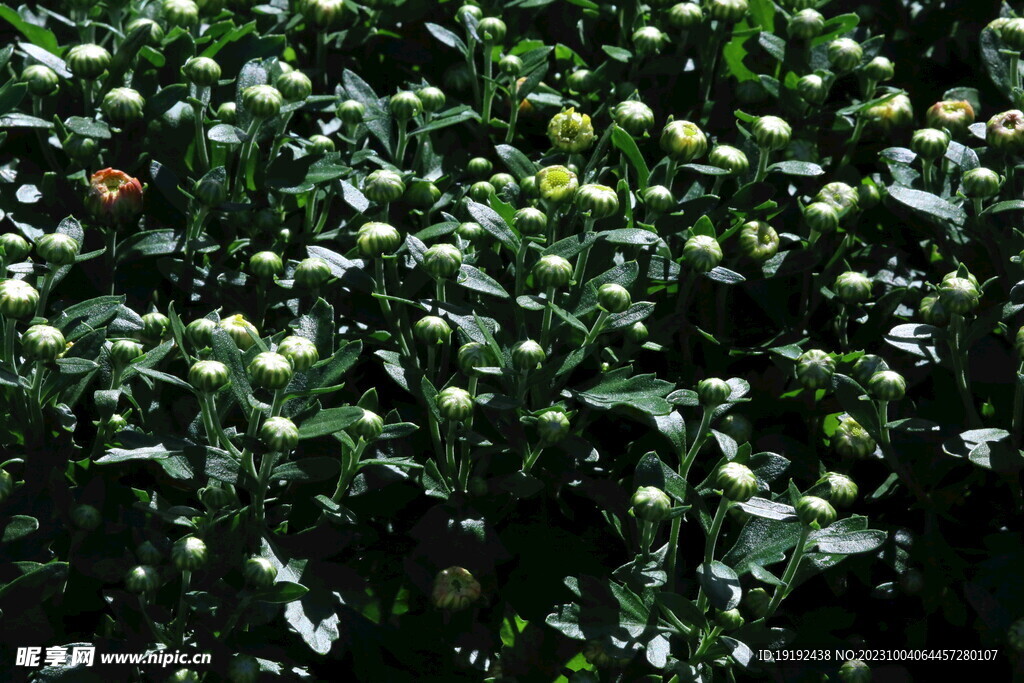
x: 259, y: 573
x: 491, y: 29
x: 155, y: 32
x: 842, y: 490
x: 383, y: 186
x: 6, y: 485
x: 142, y: 579
x: 86, y: 517
x: 155, y: 328
x: 738, y: 482
x: 868, y: 195
x: 552, y: 271
x: 479, y: 167
x: 183, y: 13
x: 659, y: 198
x: 42, y: 81
x: 88, y: 61
x: 199, y: 332
x: 841, y: 197
x: 929, y: 143
x: 736, y: 426
x: 552, y: 427
x: 530, y: 187
x: 149, y: 553
x: 683, y: 141
x: 227, y: 112
x: 895, y: 113
x: 270, y: 370
x: 757, y: 601
x: 684, y: 16
x: 713, y: 392
x: 727, y: 11
x: 527, y: 355
x: 613, y: 298
x: 471, y: 232
x: 184, y: 676
x: 1012, y: 34
x: 116, y: 422
x: 557, y: 183
x: 633, y: 116
x: 481, y: 191
x: 812, y: 510
x: 312, y: 272
x: 202, y: 71
x: 879, y: 69
x: 600, y: 201
x: 648, y: 40
x: 245, y: 668
x: 241, y: 331
x: 852, y: 288
x: 324, y: 13
x: 530, y: 221
x: 210, y: 8
x: 57, y: 249
x: 377, y: 239
x: 210, y: 191
x: 844, y: 54
x: 265, y: 264
x: 351, y: 112
x: 279, y: 434
x: 262, y: 101
x: 814, y: 369
x: 455, y: 589
x: 806, y: 24
x: 208, y: 375
x: 18, y: 299
x: 13, y: 247
x: 821, y: 217
x: 758, y: 241
x: 217, y: 497
x: 475, y: 355
x: 301, y: 352
x: 981, y: 183
x: 887, y: 386
x: 581, y: 80
x: 432, y: 98
x: 468, y: 13
x: 422, y: 194
x: 454, y: 404
x: 570, y: 131
x: 851, y: 440
x: 866, y: 367
x: 432, y: 330
x: 702, y: 253
x: 188, y: 554
x: 651, y: 504
x: 294, y: 86
x: 954, y: 116
x: 442, y: 261
x: 43, y: 343
x: 502, y: 180
x: 511, y: 65
x: 405, y: 105
x: 729, y: 620
x: 855, y: 671
x: 959, y: 296
x: 637, y: 333
x: 729, y: 158
x: 124, y: 351
x: 771, y: 133
x: 812, y: 88
x: 368, y: 427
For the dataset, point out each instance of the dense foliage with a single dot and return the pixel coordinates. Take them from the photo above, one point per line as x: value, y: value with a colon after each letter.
x: 539, y: 340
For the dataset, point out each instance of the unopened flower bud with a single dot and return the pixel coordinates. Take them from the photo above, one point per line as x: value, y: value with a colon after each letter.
x: 259, y: 573
x: 738, y: 482
x: 442, y: 261
x: 530, y: 221
x: 929, y: 143
x: 142, y: 579
x: 405, y: 105
x: 866, y: 367
x: 377, y: 239
x: 806, y: 24
x: 492, y: 29
x: 156, y: 327
x: 651, y: 504
x: 879, y: 69
x: 18, y: 299
x: 383, y: 186
x: 844, y: 54
x: 684, y: 16
x: 814, y: 510
x: 527, y: 355
x: 432, y: 98
x: 659, y: 198
x: 613, y: 298
x: 481, y: 191
x: 636, y: 118
x: 730, y: 159
x: 368, y: 427
x: 552, y: 426
x: 727, y: 11
x: 683, y: 141
x: 182, y: 13
x: 511, y: 65
x: 479, y: 167
x: 952, y: 115
x: 149, y: 553
x: 312, y: 272
x: 455, y: 589
x: 324, y: 13
x: 432, y: 330
x: 262, y: 101
x: 841, y: 197
x: 757, y: 600
x: 702, y: 253
x: 265, y: 264
x: 852, y: 288
x: 86, y: 517
x: 42, y: 343
x: 351, y: 112
x: 241, y: 331
x: 895, y: 113
x: 570, y: 131
x: 13, y: 247
x: 114, y: 196
x: 959, y: 296
x: 887, y: 386
x: 758, y: 241
x: 771, y: 133
x: 475, y: 355
x: 552, y: 271
x: 58, y: 249
x: 737, y: 427
x: 124, y: 351
x: 42, y: 81
x: 1012, y: 34
x: 270, y: 370
x: 814, y: 369
x: 981, y: 183
x: 279, y: 434
x: 648, y: 40
x: 454, y: 404
x: 208, y: 375
x: 850, y: 440
x: 729, y: 620
x: 842, y: 490
x: 88, y: 61
x: 188, y: 554
x: 855, y: 671
x: 199, y: 332
x: 637, y: 333
x: 301, y: 352
x: 812, y: 88
x: 246, y: 668
x: 713, y: 392
x: 202, y: 71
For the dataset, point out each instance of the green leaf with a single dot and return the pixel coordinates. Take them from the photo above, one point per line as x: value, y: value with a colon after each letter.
x: 41, y: 581
x: 227, y: 134
x: 450, y: 118
x: 281, y: 592
x: 329, y: 421
x: 617, y: 53
x: 476, y: 280
x: 307, y: 470
x: 850, y: 543
x: 624, y: 141
x: 89, y: 128
x: 928, y: 203
x: 18, y: 527
x: 720, y: 583
x: 447, y: 37
x: 797, y: 168
x: 433, y: 483
x: 769, y: 509
x: 517, y: 163
x: 39, y: 36
x: 762, y: 542
x: 645, y: 393
x: 493, y: 223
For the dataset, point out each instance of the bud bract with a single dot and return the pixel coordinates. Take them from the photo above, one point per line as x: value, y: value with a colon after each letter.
x: 383, y: 186
x: 259, y: 573
x: 279, y: 434
x: 958, y: 295
x: 659, y: 198
x: 241, y: 331
x: 18, y: 299
x: 262, y: 101
x: 713, y: 392
x: 57, y: 249
x: 368, y: 427
x: 600, y: 201
x: 651, y: 504
x: 684, y: 16
x: 842, y: 490
x: 683, y: 141
x: 454, y: 404
x: 527, y: 355
x: 13, y: 247
x: 312, y: 272
x: 188, y: 554
x: 702, y: 253
x: 87, y: 61
x: 492, y: 29
x: 729, y: 158
x: 442, y: 261
x: 41, y: 80
x: 270, y: 370
x: 142, y: 579
x: 183, y: 13
x: 887, y: 386
x: 648, y: 40
x: 432, y: 330
x: 814, y: 369
x: 405, y: 105
x: 981, y: 183
x: 771, y: 133
x: 929, y: 143
x: 86, y: 517
x: 266, y: 264
x: 852, y: 288
x: 812, y: 510
x: 208, y: 375
x: 301, y: 352
x: 552, y: 426
x: 614, y: 298
x: 114, y: 195
x: 806, y: 24
x: 43, y: 343
x: 552, y: 271
x: 530, y: 221
x: 758, y: 240
x: 455, y: 589
x: 738, y: 482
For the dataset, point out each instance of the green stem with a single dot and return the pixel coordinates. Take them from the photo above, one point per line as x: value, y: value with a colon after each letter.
x: 179, y: 623
x: 787, y: 578
x: 1018, y: 404
x: 200, y: 132
x: 243, y: 161
x: 670, y: 172
x: 858, y: 130
x: 545, y: 330
x: 599, y: 324
x: 471, y: 60
x: 520, y: 283
x: 1014, y: 69
x: 381, y: 288
x: 926, y: 174
x: 532, y: 456
x: 762, y: 165
x: 35, y: 397
x: 195, y: 229
x: 9, y: 336
x: 111, y: 239
x: 278, y: 403
x: 711, y: 542
x: 41, y: 138
x: 707, y: 77
x: 449, y: 451
x: 350, y: 465
x: 211, y: 431
x: 581, y: 263
x: 403, y: 141
x: 513, y: 117
x: 488, y: 85
x: 958, y: 354
x: 44, y: 292
x: 248, y: 461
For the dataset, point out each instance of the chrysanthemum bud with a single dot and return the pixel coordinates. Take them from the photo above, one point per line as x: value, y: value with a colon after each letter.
x: 729, y: 620
x: 405, y: 105
x: 727, y: 11
x: 651, y: 504
x: 266, y: 264
x: 432, y: 330
x: 124, y: 351
x: 368, y: 427
x: 279, y: 434
x: 814, y: 510
x: 821, y: 217
x: 300, y: 351
x: 492, y: 29
x: 149, y: 553
x: 467, y: 13
x: 702, y: 253
x: 570, y: 131
x: 202, y: 71
x: 271, y: 370
x: 324, y: 13
x: 730, y: 159
x: 216, y: 497
x: 552, y: 426
x: 552, y: 271
x: 757, y: 600
x: 738, y: 482
x: 383, y: 186
x: 758, y: 241
x: 981, y: 183
x: 852, y: 288
x: 188, y: 554
x: 581, y: 81
x: 442, y: 261
x: 648, y: 40
x: 879, y: 69
x: 887, y: 386
x: 613, y: 298
x: 142, y: 579
x: 86, y: 517
x: 814, y: 369
x: 475, y: 355
x: 894, y: 113
x: 432, y: 98
x: 481, y: 191
x: 58, y: 249
x: 959, y: 296
x: 241, y: 331
x: 953, y: 115
x: 479, y: 167
x: 1012, y: 34
x: 42, y: 343
x: 527, y: 355
x: 246, y: 668
x: 659, y: 198
x: 771, y: 133
x: 713, y: 392
x: 850, y: 440
x: 199, y: 332
x: 684, y: 16
x: 88, y: 61
x: 312, y: 272
x: 855, y: 671
x: 806, y: 24
x: 929, y: 143
x: 600, y: 201
x: 844, y: 54
x: 208, y: 375
x: 530, y: 221
x: 154, y: 31
x: 812, y: 88
x: 183, y: 13
x: 502, y: 180
x: 557, y: 183
x: 259, y: 573
x: 841, y: 197
x: 422, y: 194
x: 866, y: 367
x: 377, y: 239
x: 683, y: 141
x: 114, y: 195
x: 13, y: 247
x: 455, y: 589
x: 262, y: 101
x: 636, y: 118
x: 156, y: 327
x: 42, y: 81
x: 351, y: 112
x: 18, y: 299
x: 454, y: 404
x: 471, y: 231
x: 842, y: 490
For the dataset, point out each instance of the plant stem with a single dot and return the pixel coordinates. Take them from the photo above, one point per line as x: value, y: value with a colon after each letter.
x: 1018, y: 404
x: 707, y: 77
x: 762, y: 165
x: 926, y: 174
x: 179, y: 622
x: 349, y: 467
x: 402, y: 142
x: 488, y: 85
x: 9, y: 336
x: 44, y: 292
x: 381, y: 288
x: 531, y: 458
x: 520, y: 283
x: 513, y: 117
x: 958, y: 354
x: 111, y: 238
x: 202, y: 94
x: 211, y: 431
x: 787, y: 578
x: 858, y: 130
x: 449, y: 450
x: 1014, y: 69
x: 581, y: 262
x: 545, y: 330
x: 243, y: 160
x: 711, y: 542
